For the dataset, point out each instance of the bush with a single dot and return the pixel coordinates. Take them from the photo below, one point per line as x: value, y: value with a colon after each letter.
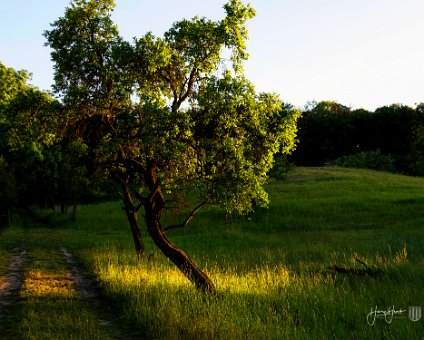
x: 367, y: 160
x: 281, y: 167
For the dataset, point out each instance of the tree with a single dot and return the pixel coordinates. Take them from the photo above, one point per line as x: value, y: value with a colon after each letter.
x: 326, y: 132
x: 11, y: 83
x: 29, y: 134
x: 23, y: 117
x: 161, y: 116
x: 38, y: 161
x: 416, y: 154
x: 393, y: 132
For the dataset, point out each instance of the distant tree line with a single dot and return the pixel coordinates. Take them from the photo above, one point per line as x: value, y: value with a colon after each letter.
x: 391, y: 138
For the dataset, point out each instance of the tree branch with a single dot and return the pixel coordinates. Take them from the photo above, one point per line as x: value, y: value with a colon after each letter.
x: 189, y: 86
x: 152, y: 194
x: 140, y: 204
x: 127, y: 194
x: 188, y: 219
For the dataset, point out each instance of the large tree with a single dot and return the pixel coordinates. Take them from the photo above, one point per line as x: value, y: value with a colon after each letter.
x: 165, y: 115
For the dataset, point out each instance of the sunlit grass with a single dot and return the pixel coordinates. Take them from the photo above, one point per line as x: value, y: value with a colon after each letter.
x: 39, y: 284
x: 265, y: 302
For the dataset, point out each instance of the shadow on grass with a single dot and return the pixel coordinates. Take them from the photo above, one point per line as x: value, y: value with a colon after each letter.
x: 31, y: 219
x: 50, y: 316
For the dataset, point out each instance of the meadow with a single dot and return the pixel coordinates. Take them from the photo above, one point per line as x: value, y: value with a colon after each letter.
x: 333, y: 245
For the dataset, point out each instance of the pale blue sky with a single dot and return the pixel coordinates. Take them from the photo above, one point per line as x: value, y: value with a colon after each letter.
x: 362, y: 53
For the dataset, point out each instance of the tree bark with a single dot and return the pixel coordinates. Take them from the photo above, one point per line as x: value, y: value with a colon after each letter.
x: 132, y: 216
x: 153, y: 209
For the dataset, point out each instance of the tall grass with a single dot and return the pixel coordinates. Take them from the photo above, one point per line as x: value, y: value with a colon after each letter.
x: 279, y: 273
x: 274, y: 270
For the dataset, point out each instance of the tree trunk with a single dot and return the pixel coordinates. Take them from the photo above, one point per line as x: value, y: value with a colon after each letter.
x: 132, y: 216
x: 153, y: 209
x: 176, y: 255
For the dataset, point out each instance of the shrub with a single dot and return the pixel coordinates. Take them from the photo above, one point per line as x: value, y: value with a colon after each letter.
x: 373, y: 159
x: 281, y: 167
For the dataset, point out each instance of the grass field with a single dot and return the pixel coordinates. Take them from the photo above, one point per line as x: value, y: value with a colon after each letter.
x: 334, y: 244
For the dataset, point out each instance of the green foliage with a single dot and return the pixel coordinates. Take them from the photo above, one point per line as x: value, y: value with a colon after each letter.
x: 281, y: 167
x: 326, y: 132
x: 163, y: 103
x: 415, y: 157
x: 393, y: 128
x: 237, y: 140
x: 25, y: 134
x: 367, y: 160
x: 11, y: 83
x: 84, y: 44
x: 48, y: 168
x: 31, y: 121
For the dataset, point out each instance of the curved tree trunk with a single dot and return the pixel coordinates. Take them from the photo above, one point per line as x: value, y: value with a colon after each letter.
x: 153, y: 209
x: 176, y: 255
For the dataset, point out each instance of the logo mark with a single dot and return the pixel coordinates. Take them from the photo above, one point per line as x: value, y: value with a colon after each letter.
x: 414, y: 313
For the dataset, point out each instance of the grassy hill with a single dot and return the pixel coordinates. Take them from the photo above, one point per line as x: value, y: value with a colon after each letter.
x: 333, y: 245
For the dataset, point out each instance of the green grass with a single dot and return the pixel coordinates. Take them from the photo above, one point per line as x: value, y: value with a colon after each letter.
x: 273, y: 270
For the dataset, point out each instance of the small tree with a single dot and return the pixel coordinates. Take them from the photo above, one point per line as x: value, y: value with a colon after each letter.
x: 161, y: 115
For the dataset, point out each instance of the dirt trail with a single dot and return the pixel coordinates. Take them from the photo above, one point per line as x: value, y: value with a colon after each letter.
x: 10, y: 284
x: 86, y: 287
x: 89, y: 291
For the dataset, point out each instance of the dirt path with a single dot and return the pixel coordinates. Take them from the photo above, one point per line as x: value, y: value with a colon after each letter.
x: 89, y: 291
x: 10, y: 284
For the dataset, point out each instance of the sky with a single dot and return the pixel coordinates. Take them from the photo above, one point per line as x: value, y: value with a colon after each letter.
x: 360, y: 53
